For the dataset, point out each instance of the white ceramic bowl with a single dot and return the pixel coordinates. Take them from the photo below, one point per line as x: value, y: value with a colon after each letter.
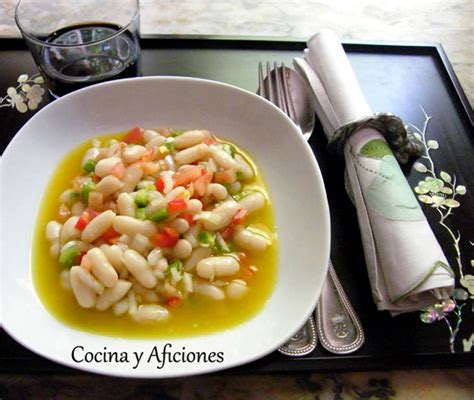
x: 292, y: 175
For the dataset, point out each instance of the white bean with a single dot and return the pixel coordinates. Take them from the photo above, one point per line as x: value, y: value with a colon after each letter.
x: 189, y: 138
x: 249, y: 240
x: 149, y: 296
x: 98, y: 226
x: 154, y: 256
x: 188, y: 282
x: 170, y: 164
x: 180, y: 225
x: 126, y: 205
x: 149, y: 134
x: 78, y: 208
x: 113, y: 150
x: 114, y: 254
x: 52, y: 231
x: 162, y: 264
x: 197, y: 255
x: 156, y: 141
x: 90, y: 154
x: 169, y: 290
x: 85, y: 296
x: 150, y: 312
x: 225, y: 211
x: 132, y: 302
x: 244, y: 167
x: 138, y: 266
x: 218, y: 191
x: 194, y: 206
x: 222, y: 158
x: 132, y: 176
x: 131, y: 226
x: 54, y: 249
x: 176, y: 192
x: 83, y: 247
x: 141, y: 244
x: 208, y: 290
x: 191, y: 234
x: 236, y: 289
x: 192, y: 154
x: 65, y: 279
x: 211, y: 267
x: 182, y: 249
x: 113, y: 294
x: 234, y: 187
x: 101, y: 268
x: 69, y: 231
x: 124, y: 241
x: 86, y: 277
x: 155, y: 204
x: 253, y: 202
x: 143, y: 184
x: 105, y: 166
x: 133, y: 153
x: 121, y: 307
x: 66, y: 197
x: 108, y: 185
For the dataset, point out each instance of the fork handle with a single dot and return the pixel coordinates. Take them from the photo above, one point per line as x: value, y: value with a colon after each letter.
x: 338, y: 327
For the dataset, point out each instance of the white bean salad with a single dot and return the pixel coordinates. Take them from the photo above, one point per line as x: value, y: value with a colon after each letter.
x: 156, y: 218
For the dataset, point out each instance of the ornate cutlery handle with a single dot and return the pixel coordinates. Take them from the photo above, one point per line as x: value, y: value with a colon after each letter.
x: 339, y: 329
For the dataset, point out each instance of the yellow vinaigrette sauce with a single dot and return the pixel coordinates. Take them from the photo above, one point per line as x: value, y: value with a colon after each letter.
x: 195, y: 316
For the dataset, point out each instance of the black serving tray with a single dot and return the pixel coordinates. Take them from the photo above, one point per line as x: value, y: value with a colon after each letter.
x: 397, y: 78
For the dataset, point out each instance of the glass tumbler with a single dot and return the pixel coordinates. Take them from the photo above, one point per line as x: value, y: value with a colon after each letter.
x: 79, y: 43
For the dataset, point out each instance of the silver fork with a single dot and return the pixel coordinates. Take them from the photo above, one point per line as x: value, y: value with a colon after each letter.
x: 338, y: 327
x: 304, y: 341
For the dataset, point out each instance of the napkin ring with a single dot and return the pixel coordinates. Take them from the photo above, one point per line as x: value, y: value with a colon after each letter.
x: 400, y: 139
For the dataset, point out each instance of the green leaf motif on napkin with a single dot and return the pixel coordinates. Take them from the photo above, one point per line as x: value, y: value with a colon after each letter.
x: 376, y: 148
x: 389, y: 194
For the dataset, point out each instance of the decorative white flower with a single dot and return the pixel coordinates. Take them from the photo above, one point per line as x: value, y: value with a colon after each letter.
x: 22, y: 78
x: 26, y: 95
x: 35, y: 94
x: 21, y: 107
x: 11, y: 91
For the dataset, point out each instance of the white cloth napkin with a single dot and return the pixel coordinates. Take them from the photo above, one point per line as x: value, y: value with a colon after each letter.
x: 405, y: 263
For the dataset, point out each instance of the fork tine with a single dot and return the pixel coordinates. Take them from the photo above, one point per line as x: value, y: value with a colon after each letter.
x: 261, y: 81
x: 269, y: 87
x: 280, y: 95
x: 291, y: 107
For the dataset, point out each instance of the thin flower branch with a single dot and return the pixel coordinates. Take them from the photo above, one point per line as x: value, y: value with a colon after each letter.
x: 26, y: 95
x: 440, y: 192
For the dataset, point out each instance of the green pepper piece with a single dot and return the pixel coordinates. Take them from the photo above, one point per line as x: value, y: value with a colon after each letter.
x: 67, y: 258
x: 241, y: 195
x: 206, y: 239
x: 228, y: 148
x: 170, y: 146
x: 140, y: 213
x: 74, y: 196
x: 89, y: 166
x: 159, y: 215
x: 141, y: 198
x: 150, y: 188
x: 177, y: 264
x: 176, y: 132
x: 86, y: 189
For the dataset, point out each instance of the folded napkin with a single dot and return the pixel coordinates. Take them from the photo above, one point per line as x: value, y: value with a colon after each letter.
x: 405, y: 263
